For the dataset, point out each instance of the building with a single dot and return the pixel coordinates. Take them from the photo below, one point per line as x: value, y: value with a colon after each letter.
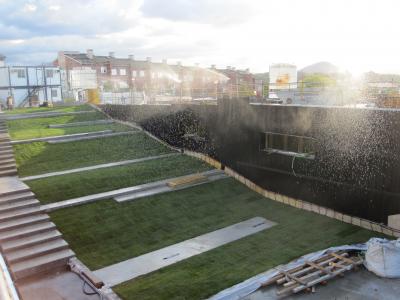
x: 142, y: 81
x: 29, y: 85
x: 241, y: 83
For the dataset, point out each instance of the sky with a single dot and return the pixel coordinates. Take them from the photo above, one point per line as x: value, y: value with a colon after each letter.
x: 357, y: 36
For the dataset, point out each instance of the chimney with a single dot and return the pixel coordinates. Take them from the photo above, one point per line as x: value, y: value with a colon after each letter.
x: 111, y: 54
x: 148, y: 59
x: 213, y: 66
x: 2, y: 60
x: 89, y: 53
x: 131, y: 57
x: 164, y: 61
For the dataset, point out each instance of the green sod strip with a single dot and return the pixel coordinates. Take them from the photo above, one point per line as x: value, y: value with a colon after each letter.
x: 48, y: 109
x: 38, y: 127
x: 39, y: 158
x: 57, y: 188
x: 107, y: 232
x: 47, y: 132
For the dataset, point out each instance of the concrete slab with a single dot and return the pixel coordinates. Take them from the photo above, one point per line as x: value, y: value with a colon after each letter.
x: 84, y: 123
x: 132, y: 268
x: 44, y: 114
x: 119, y: 192
x: 101, y: 166
x: 12, y: 184
x: 59, y: 137
x: 57, y: 286
x: 359, y: 285
x: 76, y: 139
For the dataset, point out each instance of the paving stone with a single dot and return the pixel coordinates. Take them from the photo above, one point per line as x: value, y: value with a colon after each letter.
x: 150, y: 262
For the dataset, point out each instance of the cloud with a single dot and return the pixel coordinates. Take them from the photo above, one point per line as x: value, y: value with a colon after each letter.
x: 55, y: 17
x: 217, y: 12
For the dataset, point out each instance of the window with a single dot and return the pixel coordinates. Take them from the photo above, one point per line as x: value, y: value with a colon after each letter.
x: 287, y: 144
x: 49, y: 73
x: 54, y: 93
x: 113, y: 72
x: 134, y: 73
x: 21, y: 73
x: 141, y: 73
x: 103, y: 69
x: 122, y: 72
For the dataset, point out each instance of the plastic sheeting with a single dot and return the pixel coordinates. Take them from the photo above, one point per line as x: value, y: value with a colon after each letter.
x: 383, y: 257
x: 251, y: 285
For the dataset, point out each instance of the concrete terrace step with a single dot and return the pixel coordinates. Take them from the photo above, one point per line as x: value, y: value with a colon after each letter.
x: 24, y: 221
x: 6, y: 151
x: 12, y: 186
x: 4, y: 207
x: 7, y: 161
x: 17, y: 197
x: 37, y: 250
x: 41, y: 264
x: 31, y: 240
x: 6, y: 156
x: 19, y: 213
x: 8, y: 173
x: 9, y: 166
x: 25, y: 231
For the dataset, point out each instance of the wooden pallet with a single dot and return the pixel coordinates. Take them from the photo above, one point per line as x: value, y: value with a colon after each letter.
x: 311, y: 273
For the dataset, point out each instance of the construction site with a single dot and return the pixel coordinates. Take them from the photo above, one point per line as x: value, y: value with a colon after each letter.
x: 232, y: 200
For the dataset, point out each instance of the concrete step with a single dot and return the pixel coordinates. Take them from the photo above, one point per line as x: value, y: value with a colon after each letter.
x: 21, y: 222
x: 7, y: 216
x: 6, y: 152
x: 7, y: 156
x: 35, y: 251
x: 11, y: 198
x: 41, y: 264
x: 7, y: 161
x: 31, y: 240
x: 5, y: 147
x: 25, y: 231
x: 10, y: 166
x: 5, y: 207
x: 8, y: 173
x: 15, y: 192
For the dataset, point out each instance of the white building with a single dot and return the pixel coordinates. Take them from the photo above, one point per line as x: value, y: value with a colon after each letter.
x: 282, y: 77
x: 29, y: 84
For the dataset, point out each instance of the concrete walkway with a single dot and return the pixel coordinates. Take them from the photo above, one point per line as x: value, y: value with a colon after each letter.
x: 44, y: 114
x: 91, y: 137
x: 84, y: 123
x: 60, y: 137
x: 134, y: 191
x: 132, y: 268
x: 95, y: 167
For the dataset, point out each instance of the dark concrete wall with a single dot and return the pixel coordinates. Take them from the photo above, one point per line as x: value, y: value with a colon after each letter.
x: 356, y: 169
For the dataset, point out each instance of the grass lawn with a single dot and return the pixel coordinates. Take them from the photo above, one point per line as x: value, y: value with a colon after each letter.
x: 107, y: 232
x: 57, y: 188
x: 48, y: 109
x: 41, y: 157
x: 39, y: 127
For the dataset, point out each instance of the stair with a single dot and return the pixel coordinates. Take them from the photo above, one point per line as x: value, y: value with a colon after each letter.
x: 37, y: 250
x: 29, y: 242
x: 20, y: 222
x: 26, y: 231
x: 16, y: 197
x: 43, y: 263
x: 5, y: 207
